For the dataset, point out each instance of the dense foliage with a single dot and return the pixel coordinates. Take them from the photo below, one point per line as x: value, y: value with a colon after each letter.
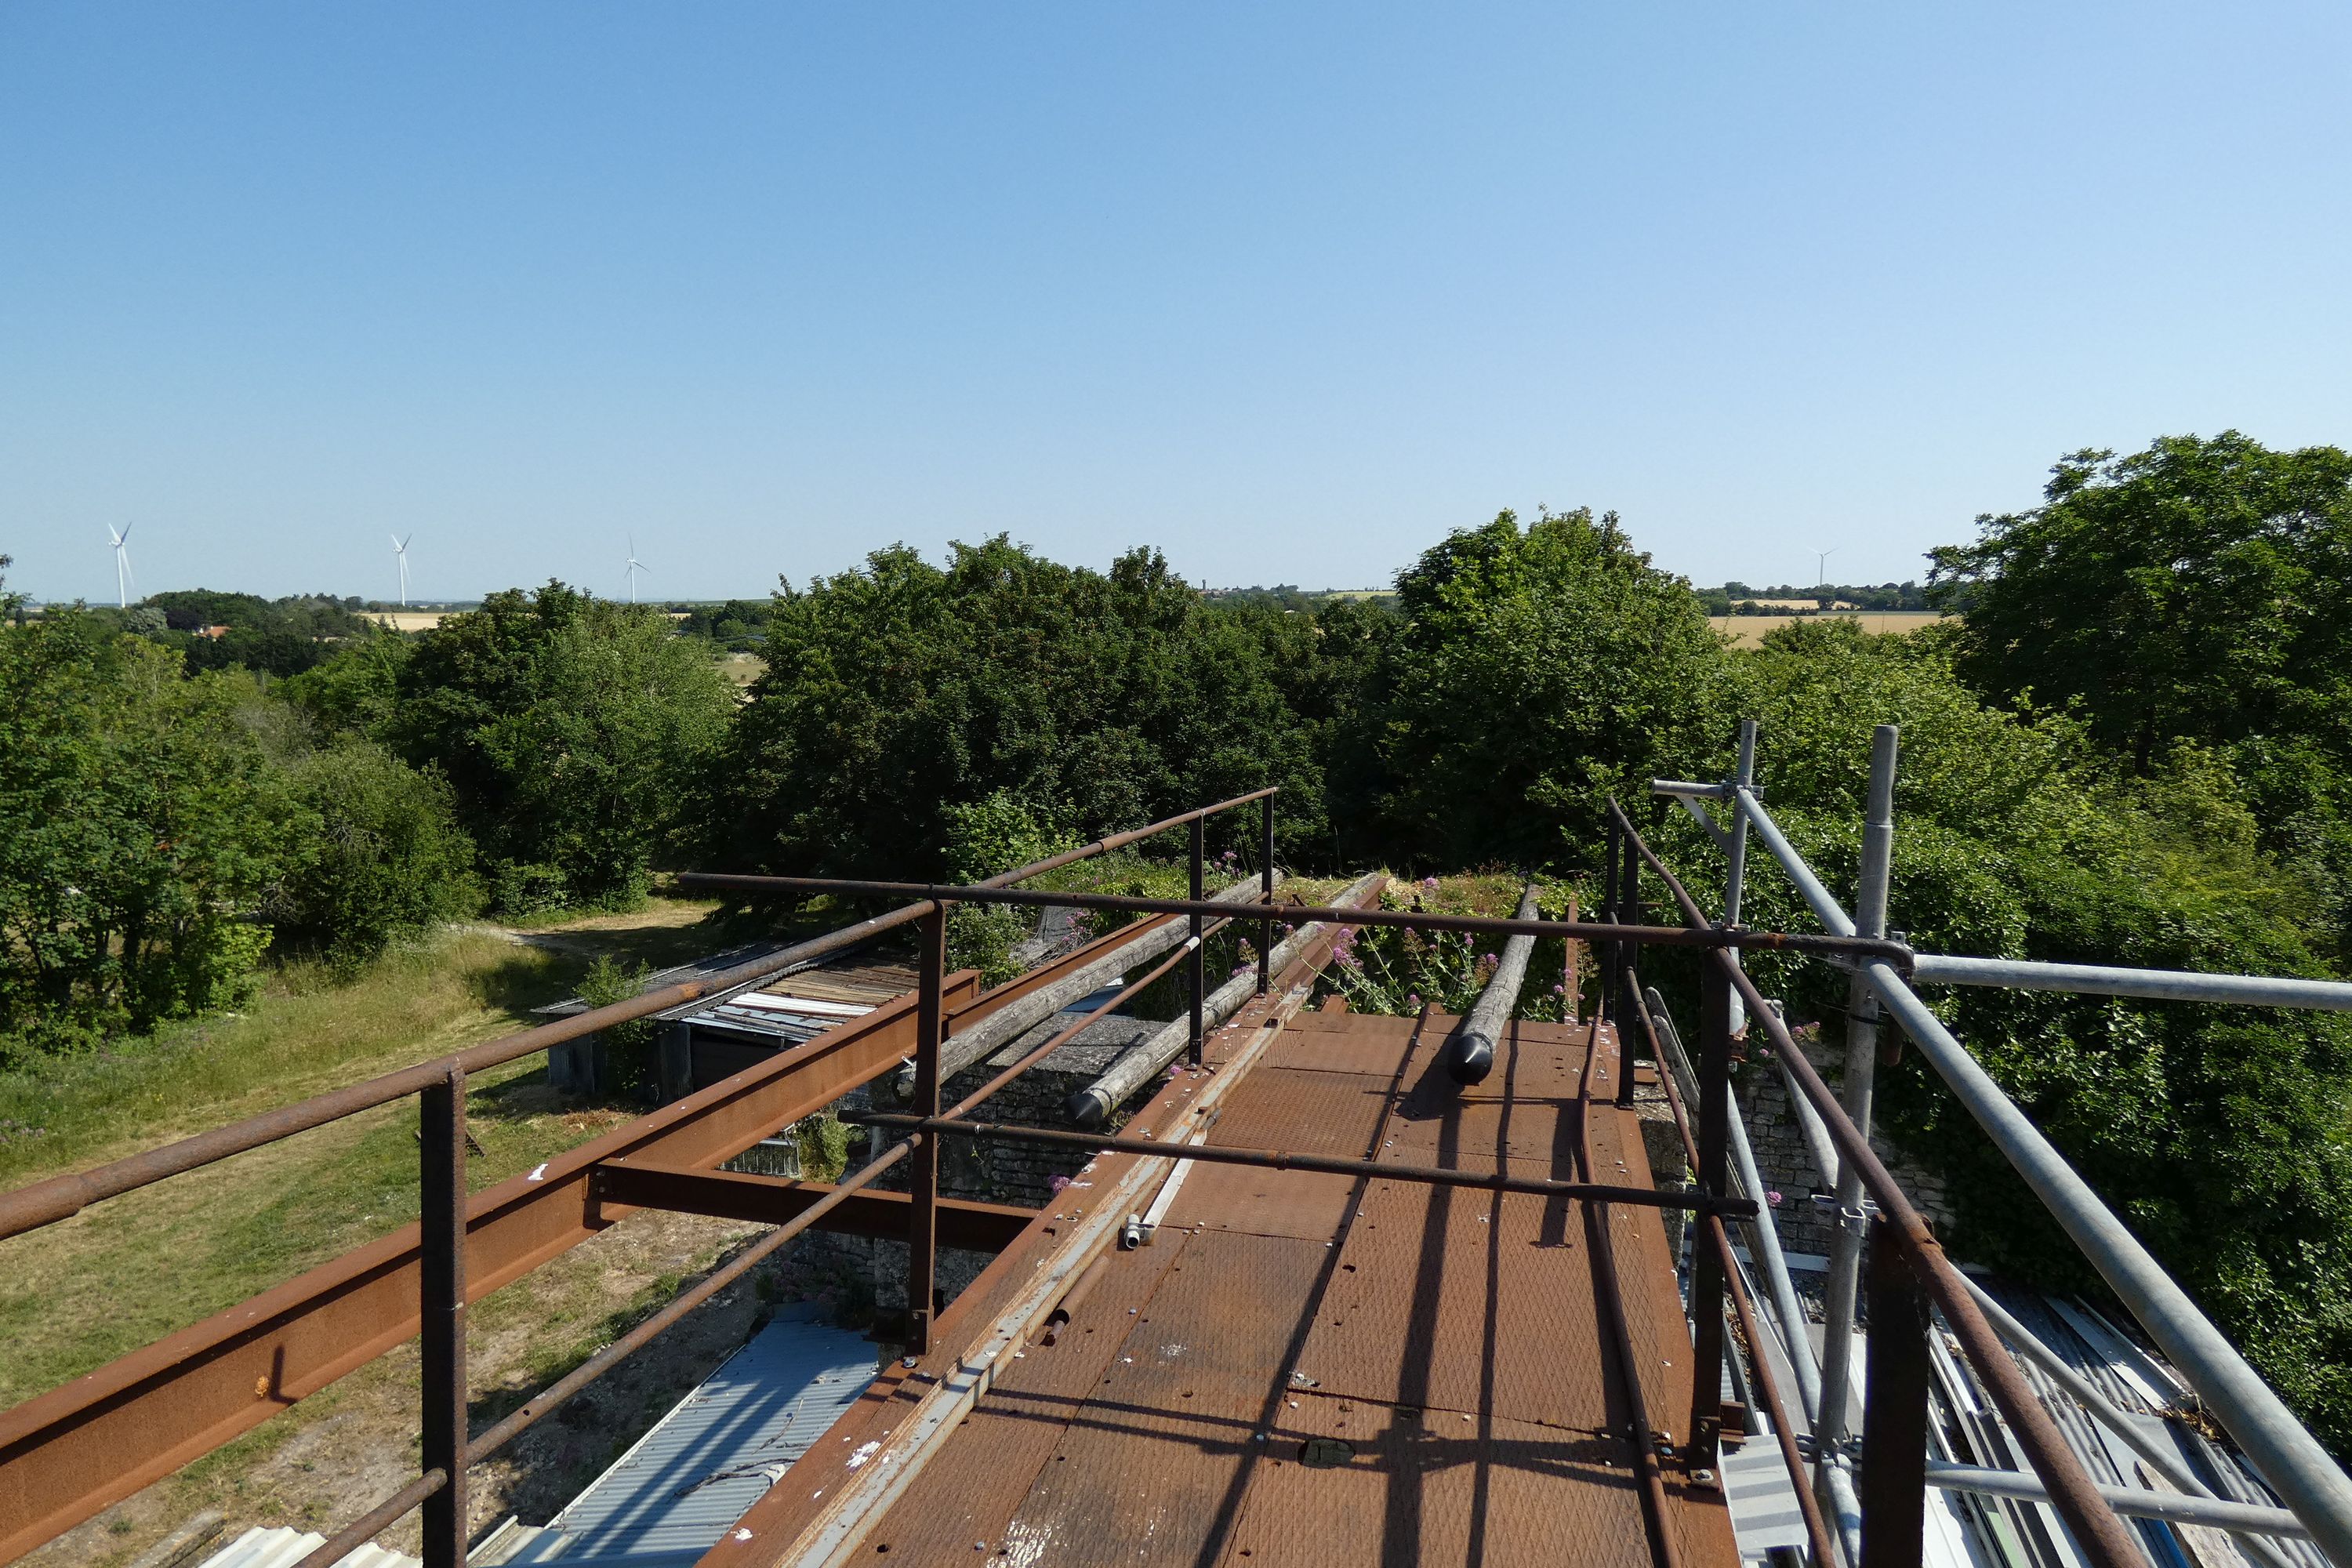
x: 2200, y: 591
x: 217, y: 630
x: 1530, y: 673
x: 899, y: 692
x: 139, y: 825
x: 570, y: 728
x: 384, y: 856
x: 2221, y: 1134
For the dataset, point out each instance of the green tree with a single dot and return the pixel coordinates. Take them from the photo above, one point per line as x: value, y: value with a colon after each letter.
x: 1535, y: 670
x: 384, y: 859
x: 900, y: 692
x: 2199, y: 591
x: 139, y: 825
x: 2223, y: 1136
x: 354, y: 689
x: 570, y: 728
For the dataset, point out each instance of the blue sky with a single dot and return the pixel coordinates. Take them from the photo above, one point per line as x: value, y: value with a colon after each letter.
x: 1286, y: 291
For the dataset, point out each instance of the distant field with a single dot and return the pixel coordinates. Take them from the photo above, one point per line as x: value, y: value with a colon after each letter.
x: 1747, y: 631
x: 425, y: 620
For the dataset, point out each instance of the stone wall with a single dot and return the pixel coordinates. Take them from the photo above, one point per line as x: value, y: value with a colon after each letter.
x: 1785, y: 1161
x: 1783, y: 1157
x: 875, y: 1270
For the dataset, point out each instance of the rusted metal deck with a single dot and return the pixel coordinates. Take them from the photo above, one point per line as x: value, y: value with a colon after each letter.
x: 1304, y: 1368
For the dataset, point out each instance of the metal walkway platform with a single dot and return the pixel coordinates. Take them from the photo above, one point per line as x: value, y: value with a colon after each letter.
x: 1315, y: 1369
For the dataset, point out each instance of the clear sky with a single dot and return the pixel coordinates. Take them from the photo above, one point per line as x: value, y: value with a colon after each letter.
x: 1287, y: 290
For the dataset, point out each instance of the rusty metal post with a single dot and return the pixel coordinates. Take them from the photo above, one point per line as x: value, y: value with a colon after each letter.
x: 1895, y: 1409
x: 922, y: 1215
x: 1266, y: 886
x: 1611, y: 953
x: 1196, y: 967
x: 441, y: 1303
x: 1714, y: 1179
x: 1629, y: 912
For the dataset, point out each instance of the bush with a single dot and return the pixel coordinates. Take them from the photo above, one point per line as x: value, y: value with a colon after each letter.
x: 2222, y: 1136
x: 385, y: 856
x: 139, y: 825
x: 571, y: 729
x: 629, y: 1069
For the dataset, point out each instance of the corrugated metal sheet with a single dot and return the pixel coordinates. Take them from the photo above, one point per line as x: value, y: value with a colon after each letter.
x: 771, y: 1017
x: 670, y: 1498
x: 284, y: 1547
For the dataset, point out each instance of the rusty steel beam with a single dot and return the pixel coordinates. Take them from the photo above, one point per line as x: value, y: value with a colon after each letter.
x: 1330, y: 1165
x: 1855, y: 949
x: 69, y: 1452
x: 772, y: 1200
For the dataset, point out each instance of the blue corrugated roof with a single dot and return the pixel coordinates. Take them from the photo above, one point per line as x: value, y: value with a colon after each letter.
x: 670, y: 1498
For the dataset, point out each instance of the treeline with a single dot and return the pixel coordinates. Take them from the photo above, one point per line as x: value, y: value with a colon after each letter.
x: 1737, y: 598
x: 165, y: 825
x: 2134, y: 748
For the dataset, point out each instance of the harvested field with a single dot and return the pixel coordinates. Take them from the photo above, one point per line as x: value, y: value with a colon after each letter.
x: 1747, y: 631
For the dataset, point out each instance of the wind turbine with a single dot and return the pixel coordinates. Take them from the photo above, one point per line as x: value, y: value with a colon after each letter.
x: 1822, y: 565
x: 122, y: 564
x: 400, y: 552
x: 635, y: 566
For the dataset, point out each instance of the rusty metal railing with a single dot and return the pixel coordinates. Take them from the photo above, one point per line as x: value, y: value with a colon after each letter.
x: 1908, y: 1265
x: 447, y: 1450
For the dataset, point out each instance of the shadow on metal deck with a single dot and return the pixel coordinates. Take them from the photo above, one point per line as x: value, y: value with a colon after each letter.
x: 1314, y: 1368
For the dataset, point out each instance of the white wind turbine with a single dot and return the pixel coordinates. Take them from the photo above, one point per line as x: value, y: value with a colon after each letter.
x: 400, y: 552
x: 122, y: 564
x: 635, y: 566
x: 1822, y: 564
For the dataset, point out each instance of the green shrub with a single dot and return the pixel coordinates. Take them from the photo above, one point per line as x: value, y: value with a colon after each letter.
x: 384, y: 858
x: 630, y: 1069
x: 139, y: 823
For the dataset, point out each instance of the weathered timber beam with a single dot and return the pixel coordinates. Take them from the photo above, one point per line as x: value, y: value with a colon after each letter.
x: 772, y: 1200
x: 80, y: 1447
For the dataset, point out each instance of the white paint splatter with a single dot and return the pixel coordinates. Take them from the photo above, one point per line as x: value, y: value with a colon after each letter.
x: 742, y: 1535
x: 864, y: 1453
x: 538, y: 1173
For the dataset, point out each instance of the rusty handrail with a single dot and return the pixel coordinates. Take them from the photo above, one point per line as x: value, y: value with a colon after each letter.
x: 2096, y: 1526
x: 1767, y: 1382
x: 1852, y: 948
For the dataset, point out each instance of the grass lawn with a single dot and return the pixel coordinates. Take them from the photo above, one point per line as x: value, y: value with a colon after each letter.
x: 74, y: 1295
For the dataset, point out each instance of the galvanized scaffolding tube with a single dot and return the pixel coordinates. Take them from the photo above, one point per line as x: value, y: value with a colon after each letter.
x: 1762, y: 1230
x: 2288, y: 1457
x: 1858, y: 1086
x: 2097, y: 1532
x: 2156, y: 984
